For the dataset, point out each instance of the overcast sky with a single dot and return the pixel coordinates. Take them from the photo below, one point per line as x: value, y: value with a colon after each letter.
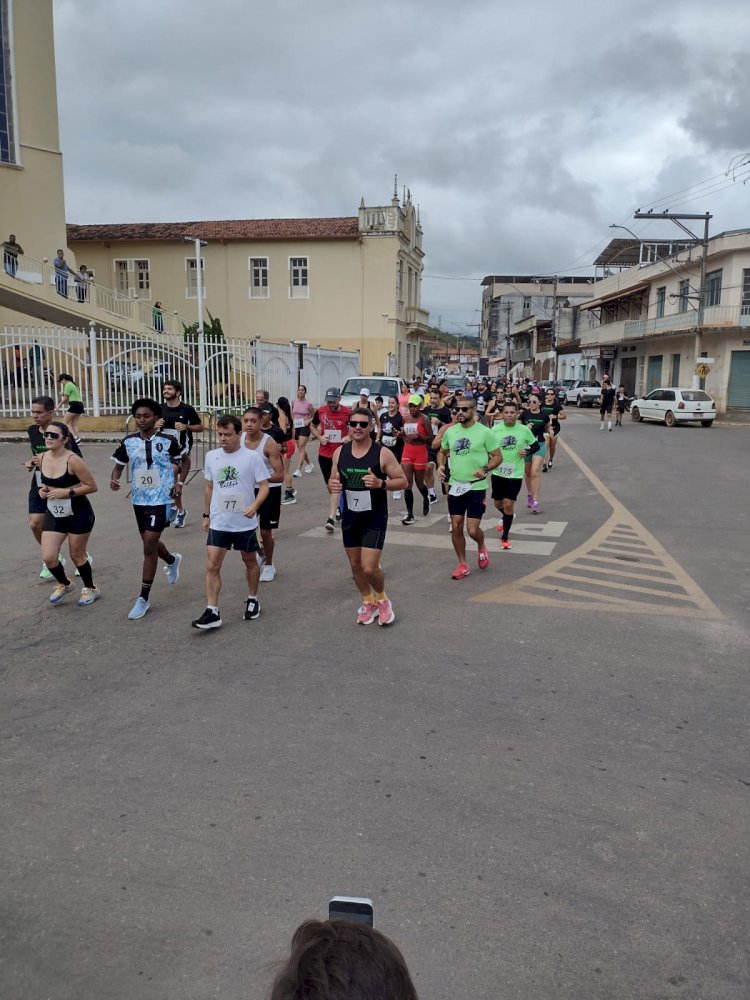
x: 522, y: 129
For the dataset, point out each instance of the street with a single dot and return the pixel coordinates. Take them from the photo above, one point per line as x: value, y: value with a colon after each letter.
x: 539, y: 774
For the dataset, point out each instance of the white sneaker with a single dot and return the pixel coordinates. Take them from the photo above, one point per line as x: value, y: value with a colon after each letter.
x: 397, y: 495
x: 308, y: 468
x: 297, y: 473
x: 268, y: 573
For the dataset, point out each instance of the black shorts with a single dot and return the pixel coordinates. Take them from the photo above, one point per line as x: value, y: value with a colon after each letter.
x: 301, y: 432
x: 155, y: 518
x: 270, y: 509
x: 604, y: 408
x: 36, y: 504
x: 363, y: 531
x: 432, y: 455
x: 241, y: 541
x: 326, y: 466
x: 504, y: 488
x: 75, y: 407
x: 79, y: 523
x: 471, y: 504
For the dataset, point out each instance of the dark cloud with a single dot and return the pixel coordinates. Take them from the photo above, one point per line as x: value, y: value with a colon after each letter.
x: 522, y: 130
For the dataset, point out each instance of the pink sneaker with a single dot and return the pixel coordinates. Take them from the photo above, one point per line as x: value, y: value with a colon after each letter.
x: 386, y: 613
x: 367, y: 613
x: 529, y: 500
x: 535, y: 507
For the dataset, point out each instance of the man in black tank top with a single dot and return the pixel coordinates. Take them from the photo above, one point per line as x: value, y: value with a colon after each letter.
x: 362, y: 473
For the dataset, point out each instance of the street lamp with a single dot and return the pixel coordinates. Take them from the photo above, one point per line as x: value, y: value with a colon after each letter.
x: 202, y: 394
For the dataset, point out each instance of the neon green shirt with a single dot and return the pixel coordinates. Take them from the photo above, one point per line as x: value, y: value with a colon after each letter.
x: 71, y: 390
x: 510, y: 440
x: 469, y: 448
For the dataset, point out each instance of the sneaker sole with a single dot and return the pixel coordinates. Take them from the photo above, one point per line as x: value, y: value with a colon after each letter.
x: 369, y: 621
x: 390, y: 621
x: 85, y: 604
x: 205, y: 628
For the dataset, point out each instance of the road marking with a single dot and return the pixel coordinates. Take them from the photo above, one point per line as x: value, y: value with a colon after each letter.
x: 621, y: 568
x: 443, y: 541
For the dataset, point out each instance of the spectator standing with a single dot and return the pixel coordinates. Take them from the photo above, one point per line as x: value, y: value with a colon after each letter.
x: 71, y: 394
x: 62, y: 270
x: 157, y: 317
x: 82, y: 281
x: 11, y: 250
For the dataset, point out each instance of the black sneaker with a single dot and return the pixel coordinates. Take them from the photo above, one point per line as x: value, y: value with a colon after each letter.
x: 209, y: 619
x: 252, y: 608
x: 425, y: 506
x: 329, y: 525
x: 409, y: 519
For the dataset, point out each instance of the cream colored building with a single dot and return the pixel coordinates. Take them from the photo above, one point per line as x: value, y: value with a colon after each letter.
x: 654, y: 326
x: 352, y: 282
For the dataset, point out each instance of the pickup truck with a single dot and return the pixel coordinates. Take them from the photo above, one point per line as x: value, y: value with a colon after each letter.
x: 379, y: 385
x: 583, y: 393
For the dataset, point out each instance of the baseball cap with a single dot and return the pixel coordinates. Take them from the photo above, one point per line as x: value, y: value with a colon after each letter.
x: 364, y: 391
x: 333, y: 393
x: 414, y: 400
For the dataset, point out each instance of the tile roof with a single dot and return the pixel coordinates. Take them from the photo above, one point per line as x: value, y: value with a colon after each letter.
x: 346, y: 227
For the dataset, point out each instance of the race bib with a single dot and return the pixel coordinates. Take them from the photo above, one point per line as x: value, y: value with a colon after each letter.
x: 435, y: 428
x: 410, y: 428
x: 147, y: 479
x: 388, y: 440
x: 358, y: 500
x: 506, y: 471
x: 299, y: 422
x: 231, y: 503
x: 333, y: 435
x: 38, y: 477
x: 60, y: 508
x: 458, y: 489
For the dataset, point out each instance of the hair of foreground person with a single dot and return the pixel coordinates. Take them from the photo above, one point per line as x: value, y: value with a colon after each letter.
x: 339, y: 960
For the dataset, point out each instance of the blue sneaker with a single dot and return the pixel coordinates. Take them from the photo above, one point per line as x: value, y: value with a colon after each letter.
x: 139, y: 609
x: 179, y: 518
x: 173, y: 572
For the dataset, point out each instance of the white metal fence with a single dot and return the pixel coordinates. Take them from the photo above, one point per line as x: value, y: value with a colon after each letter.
x: 113, y: 367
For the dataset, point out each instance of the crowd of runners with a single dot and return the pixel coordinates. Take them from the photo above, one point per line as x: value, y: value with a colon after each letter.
x: 474, y: 445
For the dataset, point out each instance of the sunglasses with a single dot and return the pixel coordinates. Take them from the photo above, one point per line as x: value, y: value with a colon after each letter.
x: 463, y: 409
x: 51, y: 435
x: 359, y: 423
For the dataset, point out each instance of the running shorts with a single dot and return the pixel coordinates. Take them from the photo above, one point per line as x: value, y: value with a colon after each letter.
x: 79, y: 523
x: 504, y: 488
x: 363, y: 531
x: 36, y: 504
x: 240, y: 541
x: 75, y: 407
x: 302, y: 432
x: 326, y: 466
x: 154, y: 518
x: 471, y: 504
x: 414, y: 454
x: 270, y: 509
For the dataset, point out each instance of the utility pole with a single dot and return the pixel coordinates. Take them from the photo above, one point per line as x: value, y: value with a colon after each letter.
x: 678, y: 220
x: 508, y: 311
x: 554, y: 329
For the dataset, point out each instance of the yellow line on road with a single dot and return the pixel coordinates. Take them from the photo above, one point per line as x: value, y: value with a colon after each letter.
x: 621, y: 533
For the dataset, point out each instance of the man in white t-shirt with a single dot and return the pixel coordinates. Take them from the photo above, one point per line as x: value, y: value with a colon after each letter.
x: 233, y: 474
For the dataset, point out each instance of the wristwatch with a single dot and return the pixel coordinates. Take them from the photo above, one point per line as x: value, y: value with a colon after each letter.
x: 71, y: 492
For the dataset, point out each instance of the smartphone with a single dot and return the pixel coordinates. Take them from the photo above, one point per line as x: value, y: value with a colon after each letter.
x: 355, y: 908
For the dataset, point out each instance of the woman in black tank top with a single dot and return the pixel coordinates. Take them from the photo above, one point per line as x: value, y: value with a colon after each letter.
x: 66, y: 483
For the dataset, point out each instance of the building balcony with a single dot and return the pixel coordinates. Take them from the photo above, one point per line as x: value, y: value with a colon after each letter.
x: 417, y: 320
x: 711, y: 317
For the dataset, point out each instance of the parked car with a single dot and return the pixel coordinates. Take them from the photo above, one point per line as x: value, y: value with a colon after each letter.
x: 675, y: 406
x: 455, y: 382
x: 562, y: 388
x: 379, y: 385
x: 583, y: 393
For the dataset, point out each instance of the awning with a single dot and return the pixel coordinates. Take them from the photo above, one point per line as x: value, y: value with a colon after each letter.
x: 622, y: 294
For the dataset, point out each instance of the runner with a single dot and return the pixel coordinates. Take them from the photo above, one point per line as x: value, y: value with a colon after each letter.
x: 179, y: 421
x: 365, y: 404
x: 259, y: 431
x: 43, y: 413
x: 473, y: 455
x: 70, y: 394
x: 439, y: 417
x: 391, y: 422
x: 362, y: 472
x: 515, y: 441
x: 286, y: 444
x: 66, y: 483
x: 302, y: 414
x: 236, y: 487
x: 417, y: 435
x: 607, y: 401
x: 262, y: 398
x: 621, y: 403
x: 553, y: 408
x: 154, y: 459
x: 539, y: 423
x: 332, y: 418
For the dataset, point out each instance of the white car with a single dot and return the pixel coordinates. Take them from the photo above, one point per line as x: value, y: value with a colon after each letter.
x: 675, y: 406
x: 379, y: 385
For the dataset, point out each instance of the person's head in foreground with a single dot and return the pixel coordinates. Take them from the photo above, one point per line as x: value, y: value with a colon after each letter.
x: 341, y: 960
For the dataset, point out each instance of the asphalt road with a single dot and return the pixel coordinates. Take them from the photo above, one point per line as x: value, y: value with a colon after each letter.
x: 540, y: 774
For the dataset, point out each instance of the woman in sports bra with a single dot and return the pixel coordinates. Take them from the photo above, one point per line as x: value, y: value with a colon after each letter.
x: 66, y: 482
